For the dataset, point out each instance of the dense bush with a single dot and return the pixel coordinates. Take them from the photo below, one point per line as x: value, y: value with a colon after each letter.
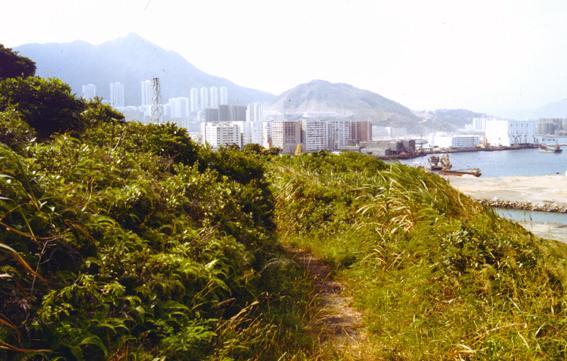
x: 14, y: 65
x: 46, y: 104
x: 14, y: 130
x: 127, y: 243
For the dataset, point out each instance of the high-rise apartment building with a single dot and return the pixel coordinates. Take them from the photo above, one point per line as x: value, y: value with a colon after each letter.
x: 89, y: 91
x: 211, y: 115
x: 194, y: 100
x: 179, y: 108
x: 267, y: 134
x: 214, y: 97
x: 147, y: 88
x: 253, y: 125
x: 286, y: 135
x: 314, y: 134
x: 218, y: 134
x: 204, y: 98
x: 223, y: 95
x: 338, y: 134
x: 360, y: 131
x: 232, y: 113
x: 117, y: 94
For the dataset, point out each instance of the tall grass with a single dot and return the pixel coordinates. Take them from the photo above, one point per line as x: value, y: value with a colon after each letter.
x: 437, y: 275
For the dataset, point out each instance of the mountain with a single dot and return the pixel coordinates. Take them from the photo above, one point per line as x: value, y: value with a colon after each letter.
x: 320, y: 96
x: 448, y: 119
x: 129, y: 60
x: 552, y: 110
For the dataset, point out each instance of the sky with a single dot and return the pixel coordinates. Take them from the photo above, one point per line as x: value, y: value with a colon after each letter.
x: 495, y: 56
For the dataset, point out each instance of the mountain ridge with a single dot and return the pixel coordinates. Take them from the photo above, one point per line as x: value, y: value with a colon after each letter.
x: 129, y: 59
x: 344, y: 99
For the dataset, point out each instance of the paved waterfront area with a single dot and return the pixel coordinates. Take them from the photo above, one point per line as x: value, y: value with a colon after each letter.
x: 539, y: 190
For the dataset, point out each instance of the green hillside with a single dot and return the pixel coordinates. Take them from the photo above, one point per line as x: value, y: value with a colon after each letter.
x: 125, y: 241
x: 436, y: 275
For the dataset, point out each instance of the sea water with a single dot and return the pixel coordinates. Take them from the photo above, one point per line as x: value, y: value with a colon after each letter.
x: 521, y: 162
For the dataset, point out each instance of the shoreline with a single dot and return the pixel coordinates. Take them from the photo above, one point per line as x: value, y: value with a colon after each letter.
x: 530, y: 193
x: 423, y: 153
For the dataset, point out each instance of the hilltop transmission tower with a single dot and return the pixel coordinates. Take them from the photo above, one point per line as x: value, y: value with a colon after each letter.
x: 156, y: 100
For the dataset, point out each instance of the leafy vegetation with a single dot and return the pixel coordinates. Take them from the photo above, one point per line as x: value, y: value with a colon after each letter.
x: 437, y: 275
x: 112, y: 252
x: 124, y: 241
x: 14, y: 65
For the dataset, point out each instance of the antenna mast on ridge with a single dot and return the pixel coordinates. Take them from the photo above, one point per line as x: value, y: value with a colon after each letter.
x: 156, y: 100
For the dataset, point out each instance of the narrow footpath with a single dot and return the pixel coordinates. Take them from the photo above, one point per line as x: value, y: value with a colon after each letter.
x: 338, y: 326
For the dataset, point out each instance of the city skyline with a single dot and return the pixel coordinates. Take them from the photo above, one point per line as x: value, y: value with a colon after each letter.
x: 484, y: 55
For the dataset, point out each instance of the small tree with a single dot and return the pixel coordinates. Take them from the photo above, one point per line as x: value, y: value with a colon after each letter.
x: 46, y: 104
x: 98, y: 112
x: 14, y: 65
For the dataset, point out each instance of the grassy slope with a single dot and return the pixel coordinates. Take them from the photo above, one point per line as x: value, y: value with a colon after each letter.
x: 437, y: 275
x: 136, y: 243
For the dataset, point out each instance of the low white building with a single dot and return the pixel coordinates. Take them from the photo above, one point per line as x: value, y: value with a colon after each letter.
x: 510, y: 132
x: 457, y: 141
x: 219, y: 134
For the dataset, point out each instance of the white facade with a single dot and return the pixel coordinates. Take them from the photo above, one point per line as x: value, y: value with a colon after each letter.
x: 147, y: 88
x: 456, y: 141
x: 223, y: 95
x: 253, y: 126
x: 314, y: 135
x: 220, y: 134
x: 89, y: 91
x: 117, y: 94
x: 509, y: 132
x: 204, y: 98
x: 479, y: 124
x: 338, y: 134
x: 194, y: 99
x: 179, y: 107
x: 267, y: 134
x: 214, y: 97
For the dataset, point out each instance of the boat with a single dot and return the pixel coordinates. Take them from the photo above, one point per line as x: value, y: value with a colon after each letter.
x: 549, y: 149
x: 434, y: 163
x: 444, y: 167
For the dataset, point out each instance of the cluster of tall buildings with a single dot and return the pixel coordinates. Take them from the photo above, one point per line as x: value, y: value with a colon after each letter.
x: 232, y: 124
x: 317, y: 134
x: 552, y: 126
x: 205, y: 98
x: 207, y: 109
x: 311, y: 134
x: 116, y: 93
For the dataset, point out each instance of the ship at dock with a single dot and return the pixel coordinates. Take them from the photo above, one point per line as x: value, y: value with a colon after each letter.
x: 442, y: 165
x: 550, y: 149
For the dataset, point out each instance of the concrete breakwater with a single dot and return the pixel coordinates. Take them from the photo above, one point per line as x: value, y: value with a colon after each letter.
x: 526, y: 206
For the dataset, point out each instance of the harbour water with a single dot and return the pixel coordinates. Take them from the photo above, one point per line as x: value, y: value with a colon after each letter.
x: 522, y: 162
x: 523, y: 216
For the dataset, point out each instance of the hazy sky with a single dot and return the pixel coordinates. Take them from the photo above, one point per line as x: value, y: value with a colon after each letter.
x: 486, y: 55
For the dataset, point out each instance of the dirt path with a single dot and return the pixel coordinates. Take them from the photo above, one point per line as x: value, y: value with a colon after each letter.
x: 337, y: 324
